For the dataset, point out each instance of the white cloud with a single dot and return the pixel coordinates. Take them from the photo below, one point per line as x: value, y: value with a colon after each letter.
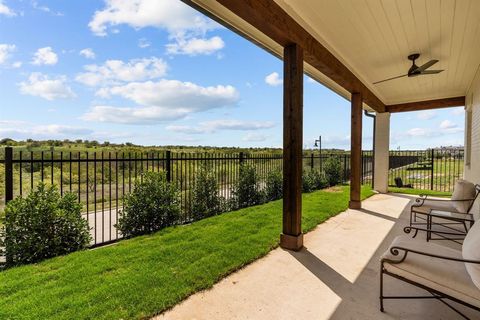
x: 137, y: 115
x: 174, y: 94
x: 5, y: 52
x: 51, y: 131
x: 5, y: 10
x: 173, y: 15
x: 254, y: 137
x: 46, y: 9
x: 426, y: 115
x: 446, y: 127
x: 273, y: 79
x: 186, y: 129
x: 117, y: 71
x: 87, y: 53
x: 196, y: 46
x: 143, y: 43
x: 447, y: 124
x: 418, y: 132
x: 223, y: 124
x: 186, y: 27
x: 41, y: 85
x: 458, y: 111
x: 20, y: 130
x: 45, y: 56
x: 164, y: 100
x: 17, y: 64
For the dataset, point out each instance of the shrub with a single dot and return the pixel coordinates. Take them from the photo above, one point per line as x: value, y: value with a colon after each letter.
x: 333, y: 171
x: 42, y: 225
x: 312, y: 180
x: 308, y: 182
x: 152, y: 205
x: 319, y: 180
x: 245, y: 191
x: 206, y: 201
x: 274, y: 185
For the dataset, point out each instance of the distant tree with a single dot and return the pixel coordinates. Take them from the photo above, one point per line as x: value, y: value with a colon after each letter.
x: 8, y: 142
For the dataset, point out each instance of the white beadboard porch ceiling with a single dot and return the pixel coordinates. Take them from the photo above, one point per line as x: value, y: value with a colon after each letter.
x: 374, y: 37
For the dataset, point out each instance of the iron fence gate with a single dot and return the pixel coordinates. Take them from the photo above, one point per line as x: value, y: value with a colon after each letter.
x: 434, y: 169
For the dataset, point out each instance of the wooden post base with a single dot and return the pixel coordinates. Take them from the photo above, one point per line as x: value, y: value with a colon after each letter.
x: 354, y: 204
x: 290, y: 242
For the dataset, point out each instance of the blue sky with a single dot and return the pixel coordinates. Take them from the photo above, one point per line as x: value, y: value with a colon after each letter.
x: 157, y: 72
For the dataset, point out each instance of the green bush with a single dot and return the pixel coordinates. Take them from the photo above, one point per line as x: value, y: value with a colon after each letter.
x: 274, y: 185
x: 312, y: 180
x: 308, y: 181
x: 333, y: 171
x: 246, y: 191
x: 206, y: 201
x: 41, y: 226
x: 152, y: 205
x: 320, y: 182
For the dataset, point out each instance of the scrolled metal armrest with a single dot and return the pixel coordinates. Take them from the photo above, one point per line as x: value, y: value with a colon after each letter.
x: 395, y: 250
x: 408, y: 230
x: 421, y: 201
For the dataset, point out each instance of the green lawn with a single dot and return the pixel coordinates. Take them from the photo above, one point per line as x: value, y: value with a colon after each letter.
x: 140, y: 277
x: 420, y: 191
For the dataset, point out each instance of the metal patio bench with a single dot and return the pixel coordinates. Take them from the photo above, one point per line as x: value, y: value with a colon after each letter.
x: 445, y: 273
x: 441, y: 217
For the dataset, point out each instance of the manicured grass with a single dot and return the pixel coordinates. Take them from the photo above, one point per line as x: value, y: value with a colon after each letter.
x: 420, y: 191
x: 140, y: 277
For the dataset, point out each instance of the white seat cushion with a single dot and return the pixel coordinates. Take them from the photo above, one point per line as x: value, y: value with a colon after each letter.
x: 463, y: 190
x: 448, y: 277
x: 471, y: 251
x: 428, y: 205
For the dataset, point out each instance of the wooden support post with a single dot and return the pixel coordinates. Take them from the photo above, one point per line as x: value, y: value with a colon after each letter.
x: 292, y: 237
x: 356, y: 151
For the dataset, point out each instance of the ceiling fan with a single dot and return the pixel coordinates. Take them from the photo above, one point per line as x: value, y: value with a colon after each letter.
x: 414, y: 69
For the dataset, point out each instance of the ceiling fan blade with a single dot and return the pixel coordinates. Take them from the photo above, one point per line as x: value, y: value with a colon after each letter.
x: 431, y: 71
x: 425, y: 66
x: 404, y: 75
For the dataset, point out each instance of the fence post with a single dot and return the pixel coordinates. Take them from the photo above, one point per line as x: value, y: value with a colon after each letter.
x: 169, y: 165
x: 311, y: 161
x: 241, y: 158
x: 431, y: 176
x: 8, y: 174
x: 345, y: 175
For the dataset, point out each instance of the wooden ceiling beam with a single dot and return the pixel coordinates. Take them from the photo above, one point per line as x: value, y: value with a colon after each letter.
x: 426, y: 105
x: 269, y: 18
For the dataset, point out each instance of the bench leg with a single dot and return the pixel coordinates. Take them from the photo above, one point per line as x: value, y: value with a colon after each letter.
x: 381, y: 288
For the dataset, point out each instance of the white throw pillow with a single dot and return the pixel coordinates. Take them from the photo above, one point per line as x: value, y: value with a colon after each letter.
x: 470, y: 251
x: 463, y: 190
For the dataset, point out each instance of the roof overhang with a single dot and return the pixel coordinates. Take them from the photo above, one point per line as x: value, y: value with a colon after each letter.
x: 348, y: 46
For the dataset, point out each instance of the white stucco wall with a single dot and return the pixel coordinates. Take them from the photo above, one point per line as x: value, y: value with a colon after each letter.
x: 382, y: 146
x: 472, y: 169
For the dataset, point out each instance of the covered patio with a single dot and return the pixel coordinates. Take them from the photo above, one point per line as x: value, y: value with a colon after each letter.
x: 352, y: 47
x: 334, y: 276
x: 362, y: 50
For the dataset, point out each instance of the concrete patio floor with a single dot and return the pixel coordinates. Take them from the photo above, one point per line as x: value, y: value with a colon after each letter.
x: 336, y: 275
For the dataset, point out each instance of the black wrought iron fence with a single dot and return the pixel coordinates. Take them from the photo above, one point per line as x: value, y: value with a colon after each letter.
x: 434, y: 169
x: 100, y: 180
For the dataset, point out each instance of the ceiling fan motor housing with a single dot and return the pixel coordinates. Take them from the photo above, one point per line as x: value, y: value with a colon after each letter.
x: 412, y: 71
